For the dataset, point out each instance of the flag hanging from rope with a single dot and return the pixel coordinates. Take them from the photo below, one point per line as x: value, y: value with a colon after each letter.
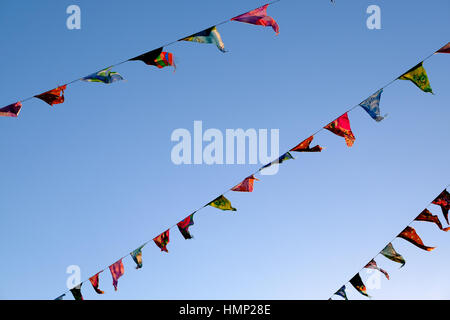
x: 341, y: 127
x: 358, y: 284
x: 372, y: 105
x: 76, y: 292
x: 304, y: 146
x: 222, y: 203
x: 259, y: 17
x: 117, y: 270
x: 162, y: 240
x: 54, y: 96
x: 105, y: 76
x: 390, y: 253
x: 95, y: 283
x: 284, y: 157
x: 418, y: 76
x: 373, y: 265
x: 210, y: 35
x: 246, y: 185
x: 61, y: 297
x: 444, y: 49
x: 426, y: 215
x: 156, y: 58
x: 341, y: 293
x: 136, y: 255
x: 184, y: 225
x: 12, y: 110
x: 443, y: 200
x: 409, y: 234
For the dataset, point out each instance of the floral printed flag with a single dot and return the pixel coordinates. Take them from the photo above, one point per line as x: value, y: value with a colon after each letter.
x: 136, y: 255
x: 304, y: 146
x: 162, y: 240
x: 95, y: 282
x: 443, y: 200
x: 409, y: 234
x: 184, y: 225
x: 372, y: 105
x: 105, y: 76
x: 222, y: 203
x: 418, y: 76
x: 54, y: 96
x: 117, y: 270
x: 210, y: 35
x: 341, y: 127
x: 373, y: 265
x: 359, y: 285
x: 426, y: 215
x: 259, y: 17
x: 390, y: 253
x: 246, y: 185
x: 12, y: 110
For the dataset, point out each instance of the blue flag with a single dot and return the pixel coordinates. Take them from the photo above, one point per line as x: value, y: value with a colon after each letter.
x: 341, y: 293
x: 105, y: 76
x: 372, y: 105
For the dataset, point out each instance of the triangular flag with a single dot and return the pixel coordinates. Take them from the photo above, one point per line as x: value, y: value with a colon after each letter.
x: 426, y: 215
x: 95, y: 282
x: 54, y: 96
x: 12, y: 110
x: 341, y: 127
x: 117, y: 270
x: 222, y: 203
x: 372, y: 105
x: 359, y: 285
x: 246, y: 185
x: 341, y: 293
x: 104, y: 76
x: 162, y: 240
x: 61, y: 297
x: 443, y: 200
x: 259, y: 17
x: 418, y: 76
x: 184, y: 225
x: 409, y: 234
x: 390, y: 253
x: 373, y: 265
x: 284, y: 157
x: 137, y: 257
x: 210, y: 35
x: 76, y: 292
x: 444, y: 49
x: 304, y: 146
x: 156, y: 58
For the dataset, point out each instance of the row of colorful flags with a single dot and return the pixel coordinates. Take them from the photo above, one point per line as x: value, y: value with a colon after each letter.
x: 409, y: 234
x: 158, y: 58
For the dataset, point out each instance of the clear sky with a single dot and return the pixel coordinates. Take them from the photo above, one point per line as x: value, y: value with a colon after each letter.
x: 87, y: 181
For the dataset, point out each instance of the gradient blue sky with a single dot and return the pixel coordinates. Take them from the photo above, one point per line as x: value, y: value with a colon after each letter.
x: 89, y: 180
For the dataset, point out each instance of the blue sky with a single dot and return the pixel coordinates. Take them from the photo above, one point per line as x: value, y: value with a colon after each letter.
x: 89, y: 180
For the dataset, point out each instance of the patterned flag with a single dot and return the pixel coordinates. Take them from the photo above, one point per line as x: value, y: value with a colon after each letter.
x: 246, y: 185
x: 76, y: 292
x: 117, y: 270
x: 426, y: 215
x: 61, y: 297
x: 409, y: 234
x: 259, y: 17
x: 222, y: 203
x: 54, y: 96
x: 95, y: 282
x: 284, y: 157
x: 341, y: 127
x: 137, y: 257
x: 210, y: 35
x: 341, y: 293
x: 304, y: 146
x: 419, y: 77
x: 443, y: 200
x: 156, y: 58
x: 104, y: 76
x: 359, y: 285
x: 390, y: 253
x: 162, y: 240
x: 184, y: 225
x: 373, y: 265
x: 11, y: 111
x: 372, y: 105
x: 444, y: 49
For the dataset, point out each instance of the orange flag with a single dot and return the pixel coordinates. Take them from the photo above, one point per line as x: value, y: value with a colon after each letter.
x: 94, y: 281
x: 117, y: 270
x: 54, y: 96
x: 304, y: 146
x: 426, y: 215
x: 409, y: 234
x: 162, y: 240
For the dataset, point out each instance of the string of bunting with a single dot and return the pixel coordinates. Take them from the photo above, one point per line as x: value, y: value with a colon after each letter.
x: 409, y: 234
x: 340, y: 126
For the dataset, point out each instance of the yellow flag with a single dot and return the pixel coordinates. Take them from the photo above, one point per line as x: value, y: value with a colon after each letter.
x: 222, y: 203
x: 419, y: 77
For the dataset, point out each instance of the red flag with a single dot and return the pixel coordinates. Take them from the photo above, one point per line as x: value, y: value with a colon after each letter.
x: 246, y: 185
x: 94, y: 281
x: 443, y: 200
x: 11, y: 111
x: 117, y: 270
x: 54, y: 96
x: 304, y: 146
x: 341, y: 127
x: 426, y: 215
x: 444, y: 49
x: 259, y: 17
x: 409, y: 234
x: 162, y: 240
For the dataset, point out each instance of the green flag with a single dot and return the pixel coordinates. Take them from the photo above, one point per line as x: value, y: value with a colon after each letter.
x: 419, y: 77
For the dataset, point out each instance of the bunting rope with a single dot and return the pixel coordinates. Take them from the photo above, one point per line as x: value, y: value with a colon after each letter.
x: 398, y: 235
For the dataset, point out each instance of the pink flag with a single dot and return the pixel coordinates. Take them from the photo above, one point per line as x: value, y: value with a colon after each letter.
x: 246, y: 185
x: 341, y: 127
x: 259, y: 17
x: 11, y: 111
x: 117, y: 271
